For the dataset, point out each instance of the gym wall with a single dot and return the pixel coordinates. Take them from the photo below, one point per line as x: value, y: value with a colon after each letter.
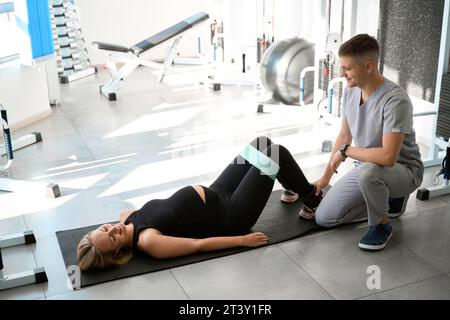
x: 409, y: 35
x: 24, y: 92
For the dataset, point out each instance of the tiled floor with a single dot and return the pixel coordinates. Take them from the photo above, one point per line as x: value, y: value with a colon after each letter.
x: 110, y: 156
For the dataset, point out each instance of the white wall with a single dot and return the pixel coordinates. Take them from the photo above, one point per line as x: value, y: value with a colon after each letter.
x: 24, y: 93
x: 368, y: 14
x: 129, y: 22
x: 294, y: 18
x: 240, y: 29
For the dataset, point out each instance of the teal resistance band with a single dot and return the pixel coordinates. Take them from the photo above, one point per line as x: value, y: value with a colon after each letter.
x: 261, y: 161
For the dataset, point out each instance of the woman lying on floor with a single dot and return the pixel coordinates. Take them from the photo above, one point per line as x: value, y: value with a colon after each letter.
x: 197, y: 218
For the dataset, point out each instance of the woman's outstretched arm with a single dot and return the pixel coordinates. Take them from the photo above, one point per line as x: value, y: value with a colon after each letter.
x: 162, y: 246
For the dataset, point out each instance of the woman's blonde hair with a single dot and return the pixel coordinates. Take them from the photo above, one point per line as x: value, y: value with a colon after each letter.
x: 89, y: 258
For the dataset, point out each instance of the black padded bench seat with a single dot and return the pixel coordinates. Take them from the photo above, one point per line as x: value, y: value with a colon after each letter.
x: 156, y: 39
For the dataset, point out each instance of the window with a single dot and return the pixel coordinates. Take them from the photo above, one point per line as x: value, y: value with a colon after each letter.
x: 8, y: 44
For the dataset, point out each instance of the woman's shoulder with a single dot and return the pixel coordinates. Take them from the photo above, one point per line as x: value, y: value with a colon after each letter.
x: 145, y: 238
x: 125, y: 214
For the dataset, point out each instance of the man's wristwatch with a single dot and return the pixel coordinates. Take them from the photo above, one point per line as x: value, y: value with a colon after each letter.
x: 343, y: 149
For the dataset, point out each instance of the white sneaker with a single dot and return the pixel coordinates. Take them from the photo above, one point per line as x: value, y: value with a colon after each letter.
x: 307, y: 213
x: 289, y: 196
x: 310, y: 204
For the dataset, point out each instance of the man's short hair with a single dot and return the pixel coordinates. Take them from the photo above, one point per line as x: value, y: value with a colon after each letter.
x: 361, y: 45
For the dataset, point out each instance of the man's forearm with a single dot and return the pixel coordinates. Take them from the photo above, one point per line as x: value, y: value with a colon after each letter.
x: 340, y: 141
x: 374, y: 155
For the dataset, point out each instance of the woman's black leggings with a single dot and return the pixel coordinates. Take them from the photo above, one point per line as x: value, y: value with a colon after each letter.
x: 248, y: 189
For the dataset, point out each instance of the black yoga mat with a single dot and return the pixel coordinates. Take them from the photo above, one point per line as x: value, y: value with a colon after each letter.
x: 279, y: 221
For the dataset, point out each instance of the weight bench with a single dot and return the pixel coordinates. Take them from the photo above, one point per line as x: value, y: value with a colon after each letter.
x: 131, y: 56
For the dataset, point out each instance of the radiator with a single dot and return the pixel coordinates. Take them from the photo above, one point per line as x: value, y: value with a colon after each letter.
x: 443, y: 121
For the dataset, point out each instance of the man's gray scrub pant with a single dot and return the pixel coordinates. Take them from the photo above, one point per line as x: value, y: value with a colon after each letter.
x: 363, y: 193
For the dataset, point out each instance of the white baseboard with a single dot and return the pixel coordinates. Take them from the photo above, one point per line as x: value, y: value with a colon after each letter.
x: 28, y: 121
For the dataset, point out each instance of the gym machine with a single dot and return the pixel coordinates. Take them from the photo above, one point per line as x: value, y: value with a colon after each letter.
x: 36, y: 275
x: 329, y: 79
x: 443, y: 132
x: 13, y: 185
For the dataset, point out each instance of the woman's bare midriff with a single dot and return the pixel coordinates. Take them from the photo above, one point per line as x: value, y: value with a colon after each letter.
x: 200, y: 192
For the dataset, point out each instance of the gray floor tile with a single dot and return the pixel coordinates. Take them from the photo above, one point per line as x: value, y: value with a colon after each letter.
x: 437, y: 288
x: 144, y: 102
x: 120, y: 166
x: 427, y: 234
x: 80, y: 209
x: 445, y: 198
x: 101, y: 121
x: 72, y: 108
x: 53, y: 126
x: 84, y: 96
x: 265, y: 273
x: 104, y: 144
x: 52, y: 149
x: 152, y: 286
x: 10, y: 205
x: 335, y: 261
x: 174, y: 122
x: 416, y: 206
x: 12, y: 225
x: 80, y: 173
x: 30, y: 292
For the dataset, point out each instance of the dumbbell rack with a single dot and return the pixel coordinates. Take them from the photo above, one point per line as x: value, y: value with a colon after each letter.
x: 72, y: 56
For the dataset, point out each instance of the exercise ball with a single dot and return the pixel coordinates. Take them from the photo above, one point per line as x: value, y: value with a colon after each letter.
x: 280, y: 70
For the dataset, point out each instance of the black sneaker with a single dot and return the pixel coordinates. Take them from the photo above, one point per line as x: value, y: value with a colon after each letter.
x: 376, y: 238
x: 289, y: 196
x: 310, y: 204
x: 397, y: 206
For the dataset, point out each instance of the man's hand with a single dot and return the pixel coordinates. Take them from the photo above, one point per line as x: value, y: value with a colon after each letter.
x: 320, y: 184
x: 336, y: 161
